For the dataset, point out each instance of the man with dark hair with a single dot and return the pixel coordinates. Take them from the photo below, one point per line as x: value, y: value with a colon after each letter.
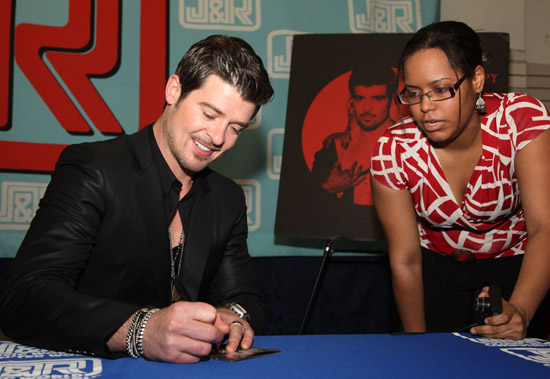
x: 139, y: 248
x: 342, y: 165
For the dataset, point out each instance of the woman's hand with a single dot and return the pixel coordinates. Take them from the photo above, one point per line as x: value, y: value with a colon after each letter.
x: 511, y: 324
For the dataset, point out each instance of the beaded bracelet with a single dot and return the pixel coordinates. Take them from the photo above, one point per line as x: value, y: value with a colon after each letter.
x: 130, y: 335
x: 134, y: 338
x: 142, y: 330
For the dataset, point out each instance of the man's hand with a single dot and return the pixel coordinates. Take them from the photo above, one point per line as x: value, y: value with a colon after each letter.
x: 183, y: 332
x: 340, y: 180
x: 243, y: 335
x: 511, y: 324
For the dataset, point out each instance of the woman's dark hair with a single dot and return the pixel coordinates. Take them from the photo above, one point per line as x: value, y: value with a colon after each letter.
x: 230, y: 58
x: 458, y: 41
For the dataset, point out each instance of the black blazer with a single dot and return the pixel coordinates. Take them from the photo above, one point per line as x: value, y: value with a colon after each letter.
x: 97, y: 249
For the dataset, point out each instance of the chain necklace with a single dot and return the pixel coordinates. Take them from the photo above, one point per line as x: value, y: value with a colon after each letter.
x: 175, y: 264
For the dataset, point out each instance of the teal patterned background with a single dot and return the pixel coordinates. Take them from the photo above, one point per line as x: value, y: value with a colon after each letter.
x: 32, y: 36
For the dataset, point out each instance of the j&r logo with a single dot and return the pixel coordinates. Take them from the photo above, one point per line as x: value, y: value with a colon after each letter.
x: 252, y: 190
x: 18, y: 204
x: 18, y: 361
x: 384, y: 16
x: 274, y: 153
x: 243, y: 15
x: 51, y: 368
x: 279, y: 51
x: 533, y: 354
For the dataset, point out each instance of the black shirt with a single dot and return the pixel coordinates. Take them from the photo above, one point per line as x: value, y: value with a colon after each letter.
x: 171, y: 187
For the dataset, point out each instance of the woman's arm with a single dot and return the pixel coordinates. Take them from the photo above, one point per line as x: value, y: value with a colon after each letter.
x: 533, y: 173
x: 396, y: 213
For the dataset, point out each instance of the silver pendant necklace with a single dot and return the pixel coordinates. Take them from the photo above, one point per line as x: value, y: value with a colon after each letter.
x: 175, y: 264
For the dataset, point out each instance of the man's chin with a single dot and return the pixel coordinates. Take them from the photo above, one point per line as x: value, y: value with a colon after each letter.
x: 194, y: 167
x: 369, y: 128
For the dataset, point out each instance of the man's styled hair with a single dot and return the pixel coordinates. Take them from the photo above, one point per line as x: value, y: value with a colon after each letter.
x: 230, y: 58
x: 370, y: 76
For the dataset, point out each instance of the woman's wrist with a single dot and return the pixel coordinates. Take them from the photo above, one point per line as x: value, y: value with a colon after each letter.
x: 522, y: 314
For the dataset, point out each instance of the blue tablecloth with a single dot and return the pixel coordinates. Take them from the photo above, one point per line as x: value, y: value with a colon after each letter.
x: 321, y: 356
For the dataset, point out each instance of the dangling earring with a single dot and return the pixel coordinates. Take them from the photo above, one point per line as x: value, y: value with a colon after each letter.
x: 480, y: 105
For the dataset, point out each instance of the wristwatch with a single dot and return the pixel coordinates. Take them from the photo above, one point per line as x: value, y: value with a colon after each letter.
x: 238, y: 310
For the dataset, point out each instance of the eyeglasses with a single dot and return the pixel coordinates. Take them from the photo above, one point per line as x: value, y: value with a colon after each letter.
x: 438, y: 94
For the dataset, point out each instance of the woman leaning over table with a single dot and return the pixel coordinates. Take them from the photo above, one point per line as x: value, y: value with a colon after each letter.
x: 463, y: 191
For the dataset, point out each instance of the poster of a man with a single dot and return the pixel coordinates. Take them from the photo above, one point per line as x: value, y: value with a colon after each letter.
x: 342, y: 165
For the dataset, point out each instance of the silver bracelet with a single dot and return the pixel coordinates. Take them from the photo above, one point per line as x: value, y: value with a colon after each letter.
x: 238, y: 310
x: 130, y: 335
x: 142, y: 325
x: 134, y: 338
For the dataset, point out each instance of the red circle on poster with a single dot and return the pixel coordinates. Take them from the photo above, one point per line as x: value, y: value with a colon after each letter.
x: 328, y: 114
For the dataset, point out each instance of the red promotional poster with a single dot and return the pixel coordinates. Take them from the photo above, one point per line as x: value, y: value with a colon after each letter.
x: 341, y: 100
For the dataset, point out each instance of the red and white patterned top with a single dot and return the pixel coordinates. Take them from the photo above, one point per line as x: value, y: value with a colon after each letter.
x: 489, y: 222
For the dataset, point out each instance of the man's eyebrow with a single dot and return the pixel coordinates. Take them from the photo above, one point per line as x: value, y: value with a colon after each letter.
x: 220, y: 113
x: 208, y: 105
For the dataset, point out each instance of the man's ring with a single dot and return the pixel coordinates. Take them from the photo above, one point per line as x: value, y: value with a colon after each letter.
x: 237, y: 323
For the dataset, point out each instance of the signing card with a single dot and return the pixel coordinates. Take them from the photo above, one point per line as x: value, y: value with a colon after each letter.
x: 240, y: 354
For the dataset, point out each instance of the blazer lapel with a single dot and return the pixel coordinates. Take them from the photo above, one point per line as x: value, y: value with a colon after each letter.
x: 150, y: 201
x: 199, y: 239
